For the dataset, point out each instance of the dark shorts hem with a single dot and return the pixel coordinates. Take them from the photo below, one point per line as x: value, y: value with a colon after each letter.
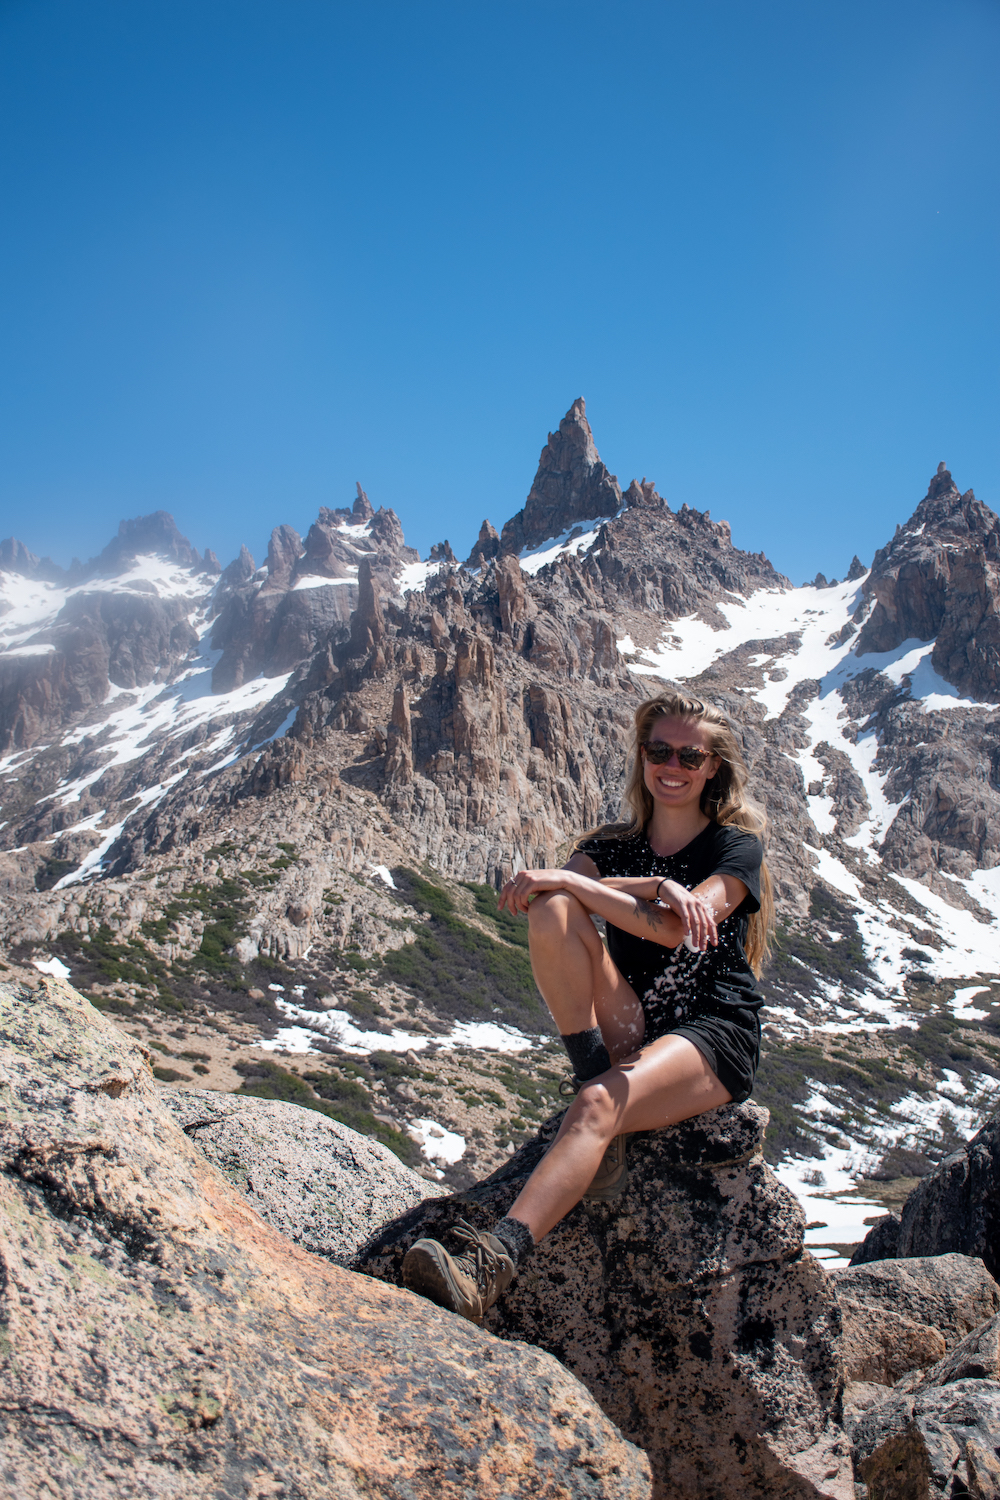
x: 732, y: 1051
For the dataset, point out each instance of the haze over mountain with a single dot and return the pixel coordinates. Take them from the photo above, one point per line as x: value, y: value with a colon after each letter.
x: 261, y: 805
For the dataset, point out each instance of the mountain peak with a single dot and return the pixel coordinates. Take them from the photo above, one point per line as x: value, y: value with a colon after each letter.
x: 156, y: 533
x: 571, y: 485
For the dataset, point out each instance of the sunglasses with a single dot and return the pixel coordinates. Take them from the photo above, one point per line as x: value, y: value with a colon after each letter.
x: 690, y: 757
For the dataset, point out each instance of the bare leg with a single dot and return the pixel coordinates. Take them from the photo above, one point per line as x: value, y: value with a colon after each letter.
x: 666, y: 1082
x: 579, y: 982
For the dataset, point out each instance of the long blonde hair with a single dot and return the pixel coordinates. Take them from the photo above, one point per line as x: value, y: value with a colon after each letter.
x: 724, y: 799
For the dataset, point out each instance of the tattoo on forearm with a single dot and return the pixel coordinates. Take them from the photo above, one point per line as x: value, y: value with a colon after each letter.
x: 648, y: 910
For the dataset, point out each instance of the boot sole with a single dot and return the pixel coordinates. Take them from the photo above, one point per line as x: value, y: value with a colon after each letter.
x: 426, y: 1272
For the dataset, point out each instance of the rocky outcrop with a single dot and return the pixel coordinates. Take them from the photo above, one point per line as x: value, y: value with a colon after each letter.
x: 901, y: 1315
x: 955, y: 1208
x: 688, y: 1308
x: 921, y: 1348
x: 324, y: 1186
x: 486, y: 547
x: 942, y: 1441
x: 939, y: 579
x: 571, y: 485
x: 156, y: 534
x: 16, y: 558
x: 159, y: 1338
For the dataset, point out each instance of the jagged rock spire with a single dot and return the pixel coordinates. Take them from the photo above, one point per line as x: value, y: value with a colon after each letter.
x: 486, y: 547
x: 571, y: 485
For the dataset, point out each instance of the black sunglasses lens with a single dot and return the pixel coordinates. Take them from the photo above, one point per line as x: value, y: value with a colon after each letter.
x: 689, y: 756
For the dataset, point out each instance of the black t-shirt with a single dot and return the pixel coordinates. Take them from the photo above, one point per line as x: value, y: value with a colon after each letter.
x: 675, y: 984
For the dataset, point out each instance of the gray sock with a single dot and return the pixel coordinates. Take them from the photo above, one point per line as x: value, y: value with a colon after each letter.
x: 587, y: 1053
x: 516, y: 1237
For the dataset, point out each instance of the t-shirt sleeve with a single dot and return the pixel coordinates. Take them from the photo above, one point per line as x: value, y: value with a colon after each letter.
x: 740, y: 854
x: 597, y: 849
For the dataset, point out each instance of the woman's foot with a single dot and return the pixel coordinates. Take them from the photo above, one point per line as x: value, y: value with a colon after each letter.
x: 467, y: 1283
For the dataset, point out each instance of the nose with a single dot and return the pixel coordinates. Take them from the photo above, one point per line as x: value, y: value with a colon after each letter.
x: 674, y: 755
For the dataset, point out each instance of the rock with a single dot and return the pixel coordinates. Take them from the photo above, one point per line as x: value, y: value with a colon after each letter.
x: 161, y: 1339
x: 938, y: 1442
x: 571, y: 485
x: 156, y: 534
x: 904, y: 1314
x: 880, y: 1243
x: 956, y: 1207
x: 859, y: 1396
x: 856, y: 570
x: 283, y: 552
x: 977, y: 1357
x: 487, y: 546
x: 321, y: 1184
x: 939, y: 579
x: 688, y: 1308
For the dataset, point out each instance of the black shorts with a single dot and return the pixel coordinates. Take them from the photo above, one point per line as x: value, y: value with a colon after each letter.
x: 730, y: 1047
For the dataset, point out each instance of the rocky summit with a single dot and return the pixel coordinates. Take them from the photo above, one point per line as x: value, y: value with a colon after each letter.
x: 258, y: 814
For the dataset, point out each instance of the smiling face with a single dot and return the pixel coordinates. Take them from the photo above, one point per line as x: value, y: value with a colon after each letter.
x: 672, y: 785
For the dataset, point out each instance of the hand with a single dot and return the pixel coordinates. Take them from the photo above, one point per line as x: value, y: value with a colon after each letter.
x: 697, y: 917
x: 518, y: 893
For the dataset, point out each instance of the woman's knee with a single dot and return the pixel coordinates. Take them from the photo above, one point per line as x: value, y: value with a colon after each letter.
x: 553, y: 911
x: 595, y: 1108
x: 557, y: 914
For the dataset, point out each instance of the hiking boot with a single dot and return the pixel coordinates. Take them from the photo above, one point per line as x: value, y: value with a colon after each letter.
x: 467, y: 1283
x: 611, y: 1177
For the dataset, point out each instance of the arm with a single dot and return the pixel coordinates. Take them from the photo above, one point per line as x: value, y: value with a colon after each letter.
x: 632, y: 910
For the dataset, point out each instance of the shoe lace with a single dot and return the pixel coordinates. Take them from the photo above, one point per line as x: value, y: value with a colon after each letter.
x: 569, y: 1087
x: 478, y: 1257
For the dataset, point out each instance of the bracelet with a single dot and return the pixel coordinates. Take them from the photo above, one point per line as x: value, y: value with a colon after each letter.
x: 658, y: 898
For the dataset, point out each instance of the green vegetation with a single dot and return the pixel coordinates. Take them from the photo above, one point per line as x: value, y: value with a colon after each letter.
x: 51, y: 871
x: 511, y: 929
x: 837, y: 960
x: 171, y: 1075
x: 456, y: 967
x: 121, y: 961
x: 864, y: 1089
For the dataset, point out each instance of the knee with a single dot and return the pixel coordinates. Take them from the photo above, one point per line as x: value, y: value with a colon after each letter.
x: 553, y: 912
x: 595, y: 1109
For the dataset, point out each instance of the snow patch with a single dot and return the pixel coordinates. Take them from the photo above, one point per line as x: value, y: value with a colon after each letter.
x: 53, y: 966
x: 533, y: 559
x: 437, y: 1143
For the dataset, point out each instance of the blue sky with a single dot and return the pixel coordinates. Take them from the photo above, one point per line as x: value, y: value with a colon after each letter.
x: 253, y: 252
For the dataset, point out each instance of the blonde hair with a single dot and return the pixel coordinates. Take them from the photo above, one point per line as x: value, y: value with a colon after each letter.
x: 724, y: 799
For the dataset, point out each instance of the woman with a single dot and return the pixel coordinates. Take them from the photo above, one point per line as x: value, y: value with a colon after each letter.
x: 663, y: 1023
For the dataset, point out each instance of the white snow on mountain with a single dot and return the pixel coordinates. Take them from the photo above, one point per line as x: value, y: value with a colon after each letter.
x: 572, y: 542
x: 29, y: 605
